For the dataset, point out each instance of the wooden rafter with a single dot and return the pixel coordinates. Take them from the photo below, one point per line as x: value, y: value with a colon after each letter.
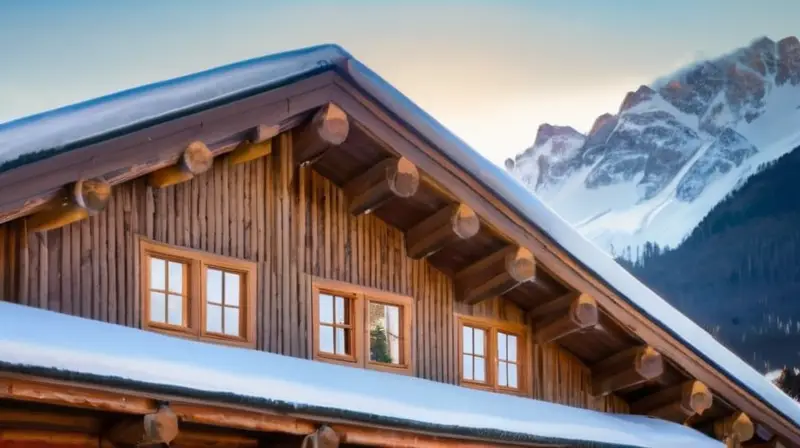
x: 495, y: 274
x: 257, y: 144
x: 160, y: 427
x: 447, y: 226
x: 628, y: 368
x: 391, y: 178
x: 564, y: 316
x: 196, y: 159
x: 676, y: 403
x: 328, y: 129
x: 79, y: 200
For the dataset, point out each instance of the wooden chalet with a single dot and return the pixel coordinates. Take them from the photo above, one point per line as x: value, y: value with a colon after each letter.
x: 288, y: 252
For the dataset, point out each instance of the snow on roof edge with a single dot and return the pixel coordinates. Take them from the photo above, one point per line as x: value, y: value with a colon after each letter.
x: 588, y: 255
x: 84, y: 350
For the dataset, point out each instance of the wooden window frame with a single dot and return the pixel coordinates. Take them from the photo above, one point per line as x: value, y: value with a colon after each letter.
x: 360, y: 298
x: 195, y: 303
x: 492, y: 327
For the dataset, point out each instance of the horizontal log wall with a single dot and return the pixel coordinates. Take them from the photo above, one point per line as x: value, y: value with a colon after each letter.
x: 294, y: 223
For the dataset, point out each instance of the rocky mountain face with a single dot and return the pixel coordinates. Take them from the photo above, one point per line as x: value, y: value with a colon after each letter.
x: 673, y: 150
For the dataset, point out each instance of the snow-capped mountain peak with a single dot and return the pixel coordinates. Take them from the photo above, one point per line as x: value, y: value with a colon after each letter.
x: 674, y: 149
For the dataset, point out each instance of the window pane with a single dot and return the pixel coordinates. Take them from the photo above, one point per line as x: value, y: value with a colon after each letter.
x: 175, y: 309
x: 326, y: 309
x: 467, y: 339
x: 232, y: 321
x: 175, y: 279
x: 384, y: 333
x: 480, y: 369
x: 479, y: 342
x: 502, y: 374
x: 213, y: 285
x: 326, y: 339
x: 467, y: 362
x: 158, y: 307
x: 341, y: 314
x: 512, y: 375
x: 232, y: 282
x: 214, y: 318
x: 342, y: 346
x: 512, y: 348
x: 157, y: 270
x: 501, y: 346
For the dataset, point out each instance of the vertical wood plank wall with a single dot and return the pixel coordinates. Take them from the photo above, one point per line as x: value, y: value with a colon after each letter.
x: 294, y: 223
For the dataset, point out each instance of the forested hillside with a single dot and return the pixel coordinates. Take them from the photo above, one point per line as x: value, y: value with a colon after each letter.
x: 738, y: 273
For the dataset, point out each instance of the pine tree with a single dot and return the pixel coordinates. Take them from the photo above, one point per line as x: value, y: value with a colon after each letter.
x: 378, y: 345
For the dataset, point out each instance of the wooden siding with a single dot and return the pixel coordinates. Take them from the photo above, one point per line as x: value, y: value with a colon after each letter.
x: 294, y: 224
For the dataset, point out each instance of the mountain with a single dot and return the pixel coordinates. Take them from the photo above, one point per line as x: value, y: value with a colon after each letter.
x: 738, y: 272
x: 674, y: 149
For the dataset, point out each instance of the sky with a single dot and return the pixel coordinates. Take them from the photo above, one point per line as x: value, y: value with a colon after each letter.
x: 491, y: 71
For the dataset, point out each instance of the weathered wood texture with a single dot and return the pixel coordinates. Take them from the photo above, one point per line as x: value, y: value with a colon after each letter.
x: 294, y: 224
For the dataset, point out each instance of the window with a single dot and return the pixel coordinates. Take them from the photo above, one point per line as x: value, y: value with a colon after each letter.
x: 362, y: 327
x: 198, y: 295
x: 492, y: 354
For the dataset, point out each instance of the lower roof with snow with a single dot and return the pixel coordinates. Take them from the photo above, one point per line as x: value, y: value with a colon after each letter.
x: 40, y: 136
x: 56, y: 345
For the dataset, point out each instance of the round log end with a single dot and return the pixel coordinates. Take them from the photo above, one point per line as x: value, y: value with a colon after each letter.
x: 743, y: 427
x: 700, y: 397
x: 327, y: 437
x: 403, y: 178
x: 332, y: 124
x: 196, y: 158
x: 584, y: 311
x: 521, y: 265
x: 91, y: 194
x: 162, y: 426
x: 649, y: 363
x: 465, y: 222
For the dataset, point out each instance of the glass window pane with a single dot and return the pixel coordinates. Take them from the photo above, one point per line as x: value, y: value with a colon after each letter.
x: 214, y: 318
x: 326, y: 309
x: 157, y: 272
x: 467, y: 339
x: 512, y: 348
x: 502, y: 374
x: 501, y: 346
x: 326, y: 339
x: 383, y: 340
x: 232, y: 321
x: 480, y: 369
x: 232, y: 283
x: 342, y: 347
x: 158, y: 307
x: 175, y: 279
x: 512, y: 375
x: 341, y: 313
x: 479, y: 342
x: 175, y: 309
x: 213, y: 285
x: 467, y: 369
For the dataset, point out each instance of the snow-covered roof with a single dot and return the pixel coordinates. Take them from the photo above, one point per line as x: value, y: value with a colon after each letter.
x: 73, y: 126
x: 74, y: 347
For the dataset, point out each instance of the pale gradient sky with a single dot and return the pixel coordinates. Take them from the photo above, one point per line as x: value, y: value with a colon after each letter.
x: 491, y: 70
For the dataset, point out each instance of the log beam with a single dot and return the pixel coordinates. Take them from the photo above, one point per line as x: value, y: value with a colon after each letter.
x: 328, y: 128
x: 156, y: 428
x: 676, y: 403
x: 447, y: 226
x: 80, y: 200
x: 258, y: 144
x: 495, y: 274
x: 391, y: 178
x: 625, y: 369
x: 196, y: 159
x: 734, y: 429
x: 323, y: 437
x: 564, y: 316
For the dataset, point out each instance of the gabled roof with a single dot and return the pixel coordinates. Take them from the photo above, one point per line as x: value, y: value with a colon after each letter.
x: 67, y: 347
x: 46, y: 134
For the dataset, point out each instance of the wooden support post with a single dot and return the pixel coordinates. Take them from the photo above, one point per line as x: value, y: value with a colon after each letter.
x: 81, y: 199
x: 495, y: 275
x: 391, y: 178
x: 734, y: 429
x: 327, y: 129
x: 156, y: 428
x: 258, y: 144
x: 449, y: 225
x: 676, y: 403
x: 565, y: 316
x: 626, y: 369
x: 196, y: 159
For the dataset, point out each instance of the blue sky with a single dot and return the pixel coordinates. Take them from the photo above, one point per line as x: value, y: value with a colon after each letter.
x: 491, y: 70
